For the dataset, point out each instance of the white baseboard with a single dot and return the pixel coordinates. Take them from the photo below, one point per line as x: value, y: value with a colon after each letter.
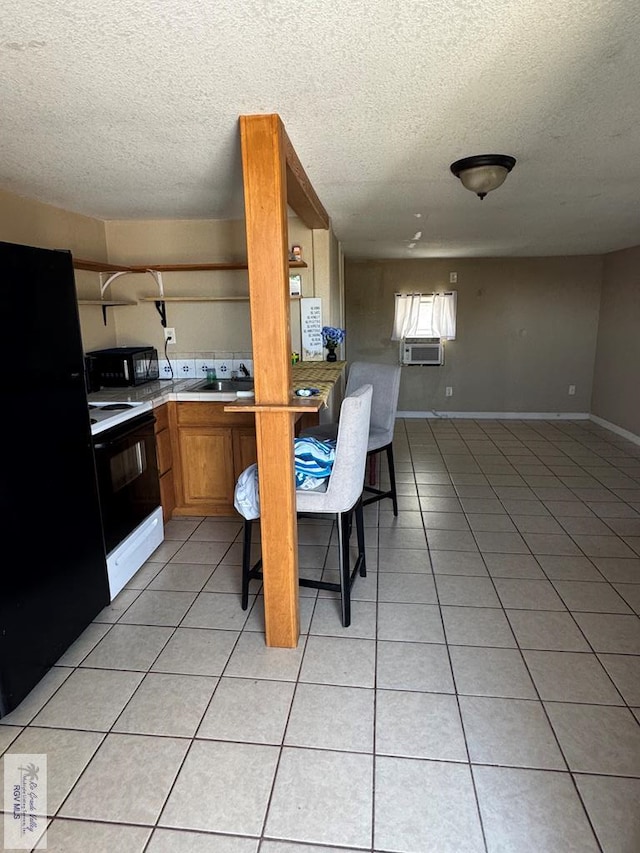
x: 630, y: 436
x: 501, y: 416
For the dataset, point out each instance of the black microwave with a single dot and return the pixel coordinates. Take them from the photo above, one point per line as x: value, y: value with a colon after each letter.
x: 123, y: 366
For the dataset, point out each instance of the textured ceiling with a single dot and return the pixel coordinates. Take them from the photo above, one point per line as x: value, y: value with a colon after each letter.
x: 130, y: 110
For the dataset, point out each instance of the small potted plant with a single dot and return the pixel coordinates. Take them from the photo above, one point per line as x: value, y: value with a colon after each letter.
x: 331, y: 338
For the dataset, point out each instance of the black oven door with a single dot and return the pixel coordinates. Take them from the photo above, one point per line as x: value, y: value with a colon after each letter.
x: 128, y: 480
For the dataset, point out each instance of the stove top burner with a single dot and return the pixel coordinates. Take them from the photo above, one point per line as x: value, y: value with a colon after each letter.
x: 116, y: 407
x: 93, y: 420
x: 92, y: 406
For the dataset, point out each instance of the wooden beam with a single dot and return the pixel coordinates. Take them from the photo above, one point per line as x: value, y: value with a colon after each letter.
x: 301, y: 196
x: 265, y: 193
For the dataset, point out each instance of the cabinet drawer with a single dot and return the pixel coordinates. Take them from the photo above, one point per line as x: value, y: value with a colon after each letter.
x: 163, y: 450
x: 211, y: 414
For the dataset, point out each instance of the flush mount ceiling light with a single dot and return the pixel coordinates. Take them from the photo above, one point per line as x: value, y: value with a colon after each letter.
x: 483, y: 172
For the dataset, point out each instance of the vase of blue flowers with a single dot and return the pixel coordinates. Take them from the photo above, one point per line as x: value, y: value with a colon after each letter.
x: 332, y: 337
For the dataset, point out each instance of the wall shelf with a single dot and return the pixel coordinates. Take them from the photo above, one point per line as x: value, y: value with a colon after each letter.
x: 103, y: 266
x: 107, y: 303
x: 98, y: 266
x: 194, y: 299
x: 198, y: 298
x: 115, y: 271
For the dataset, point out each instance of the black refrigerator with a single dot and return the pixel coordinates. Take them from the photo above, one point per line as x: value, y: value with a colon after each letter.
x: 53, y: 575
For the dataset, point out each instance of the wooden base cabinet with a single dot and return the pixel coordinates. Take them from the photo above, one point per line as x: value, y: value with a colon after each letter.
x: 165, y: 460
x: 245, y: 451
x: 211, y: 448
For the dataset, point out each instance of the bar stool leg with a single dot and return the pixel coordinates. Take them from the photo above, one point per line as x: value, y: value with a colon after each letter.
x: 343, y: 563
x: 392, y: 478
x: 246, y: 563
x: 360, y: 534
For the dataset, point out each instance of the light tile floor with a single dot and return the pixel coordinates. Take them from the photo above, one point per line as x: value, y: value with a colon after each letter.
x: 485, y: 698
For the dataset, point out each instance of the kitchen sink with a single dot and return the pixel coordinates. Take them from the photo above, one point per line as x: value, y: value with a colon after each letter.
x: 226, y: 385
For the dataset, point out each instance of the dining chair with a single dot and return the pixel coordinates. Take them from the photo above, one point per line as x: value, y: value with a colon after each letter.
x: 385, y: 380
x: 339, y: 496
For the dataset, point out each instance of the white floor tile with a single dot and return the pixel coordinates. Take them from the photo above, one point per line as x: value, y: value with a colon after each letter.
x: 222, y: 787
x: 127, y: 780
x: 507, y: 648
x: 612, y: 805
x: 322, y: 797
x: 248, y: 709
x: 184, y: 841
x: 428, y: 806
x: 531, y: 810
x: 75, y: 836
x: 419, y: 725
x: 330, y: 717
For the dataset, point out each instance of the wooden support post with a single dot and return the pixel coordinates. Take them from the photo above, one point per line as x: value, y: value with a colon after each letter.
x: 278, y: 528
x: 265, y: 192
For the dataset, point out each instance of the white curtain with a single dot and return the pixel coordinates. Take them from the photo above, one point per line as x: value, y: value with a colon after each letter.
x: 425, y: 315
x: 444, y: 316
x: 407, y: 315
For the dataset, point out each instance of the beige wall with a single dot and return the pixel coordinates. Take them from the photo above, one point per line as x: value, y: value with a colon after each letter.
x: 526, y: 330
x: 616, y: 383
x: 200, y: 326
x: 35, y: 224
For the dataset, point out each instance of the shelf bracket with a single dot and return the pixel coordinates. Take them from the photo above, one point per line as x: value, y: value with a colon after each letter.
x: 103, y: 286
x: 161, y: 307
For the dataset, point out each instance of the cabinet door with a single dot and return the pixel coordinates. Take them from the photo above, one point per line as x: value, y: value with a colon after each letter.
x: 206, y: 461
x: 163, y: 449
x: 167, y: 495
x: 244, y: 448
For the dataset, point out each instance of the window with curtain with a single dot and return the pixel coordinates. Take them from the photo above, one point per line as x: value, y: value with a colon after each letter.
x: 425, y: 315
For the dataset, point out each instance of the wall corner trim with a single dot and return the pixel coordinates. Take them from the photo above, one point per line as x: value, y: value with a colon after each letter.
x: 625, y: 433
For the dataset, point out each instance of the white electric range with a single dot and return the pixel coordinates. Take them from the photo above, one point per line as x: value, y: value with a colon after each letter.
x: 124, y: 447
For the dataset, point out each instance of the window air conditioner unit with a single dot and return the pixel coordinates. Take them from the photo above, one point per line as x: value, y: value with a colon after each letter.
x: 421, y: 351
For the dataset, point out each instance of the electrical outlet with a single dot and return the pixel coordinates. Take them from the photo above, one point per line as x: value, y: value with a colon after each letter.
x: 448, y: 391
x: 572, y: 390
x: 170, y: 336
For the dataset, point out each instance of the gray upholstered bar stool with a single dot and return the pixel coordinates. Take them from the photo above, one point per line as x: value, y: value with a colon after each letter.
x: 341, y: 497
x: 385, y: 379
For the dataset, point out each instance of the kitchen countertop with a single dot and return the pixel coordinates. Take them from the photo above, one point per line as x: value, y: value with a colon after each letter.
x: 322, y: 375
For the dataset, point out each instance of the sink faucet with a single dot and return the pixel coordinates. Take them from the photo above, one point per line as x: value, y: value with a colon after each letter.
x: 243, y: 370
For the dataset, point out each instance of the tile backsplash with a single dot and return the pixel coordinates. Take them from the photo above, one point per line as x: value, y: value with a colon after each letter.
x: 194, y: 365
